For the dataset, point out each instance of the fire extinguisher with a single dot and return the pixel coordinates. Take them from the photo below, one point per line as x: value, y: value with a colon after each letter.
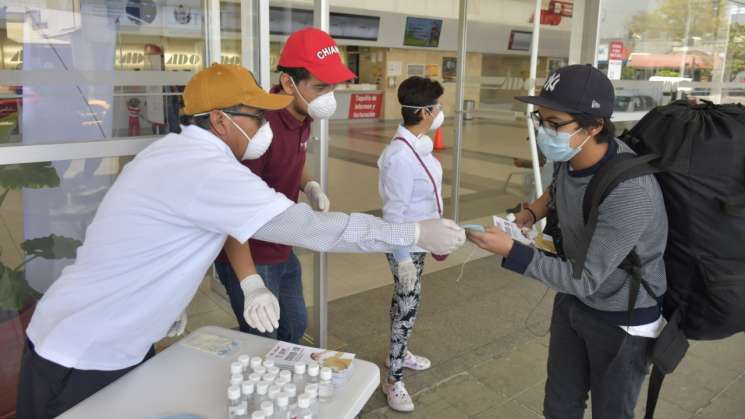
x: 133, y: 106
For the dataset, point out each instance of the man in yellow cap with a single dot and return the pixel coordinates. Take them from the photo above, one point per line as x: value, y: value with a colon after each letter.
x: 158, y: 230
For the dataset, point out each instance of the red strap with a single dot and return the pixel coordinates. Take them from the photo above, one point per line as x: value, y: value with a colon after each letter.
x: 431, y: 178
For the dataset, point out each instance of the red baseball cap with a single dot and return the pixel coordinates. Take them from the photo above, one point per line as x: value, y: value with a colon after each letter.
x: 315, y: 51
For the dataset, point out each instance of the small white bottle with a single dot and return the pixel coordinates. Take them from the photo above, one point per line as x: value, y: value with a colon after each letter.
x: 239, y: 412
x: 259, y: 414
x: 245, y: 361
x: 269, y: 377
x: 234, y: 398
x: 273, y: 392
x: 286, y: 374
x: 313, y: 371
x: 281, y: 382
x: 236, y: 368
x: 273, y: 370
x: 254, y: 378
x: 261, y: 395
x: 260, y: 370
x: 311, y: 390
x: 299, y: 377
x: 282, y: 410
x: 268, y: 409
x: 326, y: 386
x: 268, y: 363
x: 236, y: 380
x: 255, y: 362
x: 303, y: 408
x: 248, y: 388
x: 291, y: 391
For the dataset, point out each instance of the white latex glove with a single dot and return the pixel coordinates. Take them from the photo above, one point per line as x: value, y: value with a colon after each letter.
x: 440, y: 236
x: 407, y: 275
x: 260, y: 307
x: 178, y: 327
x: 315, y: 194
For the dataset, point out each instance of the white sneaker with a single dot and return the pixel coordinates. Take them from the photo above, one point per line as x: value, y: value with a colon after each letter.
x: 398, y: 397
x: 412, y: 362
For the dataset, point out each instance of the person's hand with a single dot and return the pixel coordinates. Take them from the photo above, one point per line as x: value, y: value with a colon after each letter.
x: 260, y: 307
x: 440, y: 236
x: 315, y: 194
x: 407, y: 275
x: 178, y: 327
x: 524, y: 219
x: 493, y: 240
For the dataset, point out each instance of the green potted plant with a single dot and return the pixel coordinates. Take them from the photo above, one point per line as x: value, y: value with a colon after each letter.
x: 17, y: 298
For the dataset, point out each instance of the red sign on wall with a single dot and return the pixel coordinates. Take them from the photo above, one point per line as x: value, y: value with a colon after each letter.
x: 615, y: 50
x: 365, y: 105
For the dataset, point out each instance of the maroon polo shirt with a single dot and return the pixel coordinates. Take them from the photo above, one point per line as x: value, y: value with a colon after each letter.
x: 281, y: 167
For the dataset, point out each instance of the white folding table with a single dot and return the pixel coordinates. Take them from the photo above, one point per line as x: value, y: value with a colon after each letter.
x: 186, y: 380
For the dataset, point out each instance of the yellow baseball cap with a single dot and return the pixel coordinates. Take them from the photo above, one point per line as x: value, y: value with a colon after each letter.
x: 224, y: 85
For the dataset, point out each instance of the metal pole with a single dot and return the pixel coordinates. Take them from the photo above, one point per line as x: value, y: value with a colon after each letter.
x: 264, y: 57
x: 459, y: 94
x: 247, y: 34
x: 213, y: 33
x: 530, y: 108
x: 320, y: 291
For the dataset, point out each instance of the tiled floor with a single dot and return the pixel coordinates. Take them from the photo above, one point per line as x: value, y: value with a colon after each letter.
x: 485, y: 334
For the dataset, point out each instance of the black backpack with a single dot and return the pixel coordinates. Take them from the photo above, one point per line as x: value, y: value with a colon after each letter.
x: 697, y: 153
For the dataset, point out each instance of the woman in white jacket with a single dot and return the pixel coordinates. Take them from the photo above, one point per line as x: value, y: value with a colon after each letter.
x: 410, y: 185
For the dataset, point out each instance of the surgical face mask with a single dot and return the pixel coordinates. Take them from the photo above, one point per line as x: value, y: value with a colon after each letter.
x: 258, y: 144
x: 558, y: 147
x: 321, y: 107
x: 424, y: 145
x: 437, y: 122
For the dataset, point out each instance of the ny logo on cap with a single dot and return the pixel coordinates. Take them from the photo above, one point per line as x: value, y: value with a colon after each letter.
x: 325, y: 52
x: 595, y: 104
x: 552, y: 82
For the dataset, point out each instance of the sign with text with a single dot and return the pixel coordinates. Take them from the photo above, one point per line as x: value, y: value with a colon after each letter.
x: 365, y: 105
x: 615, y: 51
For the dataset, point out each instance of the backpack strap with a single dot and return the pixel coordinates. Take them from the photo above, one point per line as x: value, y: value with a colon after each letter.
x: 623, y: 167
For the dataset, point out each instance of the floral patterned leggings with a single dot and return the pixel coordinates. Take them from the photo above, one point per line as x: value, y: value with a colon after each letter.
x: 403, y: 314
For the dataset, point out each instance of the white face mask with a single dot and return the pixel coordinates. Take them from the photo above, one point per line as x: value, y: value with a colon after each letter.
x: 424, y: 145
x: 321, y: 107
x: 437, y: 122
x: 257, y: 145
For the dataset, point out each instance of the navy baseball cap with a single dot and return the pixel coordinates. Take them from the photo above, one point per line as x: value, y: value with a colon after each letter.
x: 579, y: 88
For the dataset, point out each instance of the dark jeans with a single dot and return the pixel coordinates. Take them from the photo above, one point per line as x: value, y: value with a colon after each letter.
x: 587, y: 354
x: 47, y: 389
x: 284, y: 280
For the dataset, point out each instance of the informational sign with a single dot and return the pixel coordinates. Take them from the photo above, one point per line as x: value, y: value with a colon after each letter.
x: 432, y: 70
x: 615, y: 51
x: 365, y: 105
x: 422, y: 32
x: 614, y: 69
x: 393, y: 69
x: 603, y: 52
x: 449, y: 68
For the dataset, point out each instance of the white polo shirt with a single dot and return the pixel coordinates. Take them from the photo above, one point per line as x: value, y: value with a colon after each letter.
x: 154, y: 236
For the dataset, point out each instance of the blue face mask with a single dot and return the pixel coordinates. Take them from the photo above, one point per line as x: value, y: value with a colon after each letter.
x: 558, y: 147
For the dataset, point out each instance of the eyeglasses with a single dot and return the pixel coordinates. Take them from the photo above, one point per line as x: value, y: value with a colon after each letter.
x: 551, y: 126
x: 258, y: 116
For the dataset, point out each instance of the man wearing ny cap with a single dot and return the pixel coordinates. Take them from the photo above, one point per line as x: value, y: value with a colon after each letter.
x: 310, y: 68
x: 160, y: 227
x: 598, y: 345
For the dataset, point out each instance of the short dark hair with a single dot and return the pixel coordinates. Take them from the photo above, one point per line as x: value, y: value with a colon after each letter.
x: 203, y: 121
x: 417, y: 91
x: 298, y: 74
x: 606, y: 135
